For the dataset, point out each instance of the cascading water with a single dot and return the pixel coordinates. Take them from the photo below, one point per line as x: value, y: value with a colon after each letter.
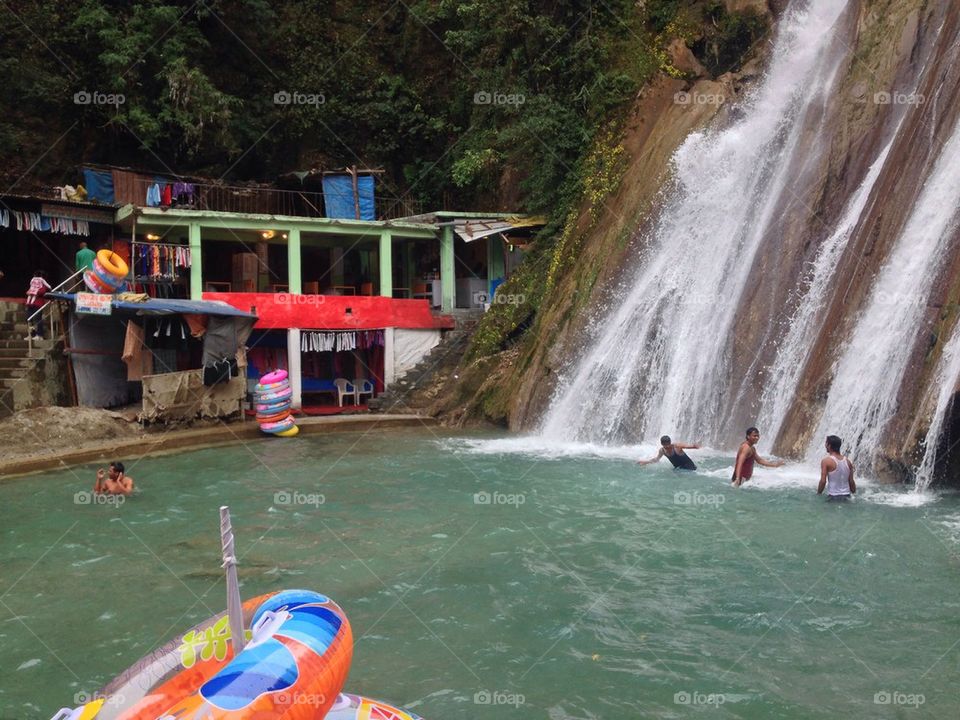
x: 793, y: 351
x: 948, y: 375
x: 870, y: 370
x: 659, y: 363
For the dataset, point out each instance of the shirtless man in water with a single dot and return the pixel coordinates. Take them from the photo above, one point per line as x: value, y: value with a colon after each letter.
x: 747, y: 456
x: 674, y: 452
x: 113, y: 482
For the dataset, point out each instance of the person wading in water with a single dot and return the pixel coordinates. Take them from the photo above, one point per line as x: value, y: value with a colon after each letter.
x: 674, y: 452
x: 836, y: 473
x: 747, y: 456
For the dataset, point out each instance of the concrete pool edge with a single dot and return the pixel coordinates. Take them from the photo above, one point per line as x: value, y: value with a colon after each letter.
x: 197, y: 438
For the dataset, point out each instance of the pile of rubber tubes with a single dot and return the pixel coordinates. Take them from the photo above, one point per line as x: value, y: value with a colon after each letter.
x: 272, y: 396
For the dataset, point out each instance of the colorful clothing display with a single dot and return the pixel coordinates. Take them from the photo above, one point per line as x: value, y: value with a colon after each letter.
x: 156, y: 260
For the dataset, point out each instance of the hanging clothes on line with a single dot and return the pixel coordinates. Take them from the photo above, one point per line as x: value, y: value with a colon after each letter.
x: 340, y: 341
x: 35, y: 222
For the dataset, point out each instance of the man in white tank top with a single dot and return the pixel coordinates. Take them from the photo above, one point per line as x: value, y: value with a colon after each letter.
x: 836, y: 472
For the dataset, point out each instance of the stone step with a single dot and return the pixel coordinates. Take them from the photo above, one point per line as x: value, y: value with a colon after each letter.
x: 7, y: 372
x: 15, y: 362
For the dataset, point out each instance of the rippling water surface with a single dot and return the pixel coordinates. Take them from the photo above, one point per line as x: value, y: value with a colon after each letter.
x: 490, y: 577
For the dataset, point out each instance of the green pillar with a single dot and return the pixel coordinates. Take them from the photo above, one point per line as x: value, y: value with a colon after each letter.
x: 447, y: 280
x: 386, y: 264
x: 196, y: 264
x: 294, y: 279
x: 495, y: 263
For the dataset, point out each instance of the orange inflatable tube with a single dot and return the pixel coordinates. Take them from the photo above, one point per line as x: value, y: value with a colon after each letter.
x: 293, y: 668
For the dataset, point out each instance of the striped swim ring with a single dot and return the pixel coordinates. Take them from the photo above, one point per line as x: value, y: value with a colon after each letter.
x: 272, y: 387
x: 273, y: 377
x: 279, y: 426
x: 111, y: 281
x: 273, y: 409
x: 95, y: 284
x: 273, y: 397
x: 276, y: 417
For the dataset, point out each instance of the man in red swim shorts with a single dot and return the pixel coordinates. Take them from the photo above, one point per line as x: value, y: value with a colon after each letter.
x: 747, y: 456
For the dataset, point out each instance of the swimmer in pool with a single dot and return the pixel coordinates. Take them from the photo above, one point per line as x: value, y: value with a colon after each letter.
x: 674, y: 452
x: 114, y: 481
x: 747, y: 456
x: 836, y: 473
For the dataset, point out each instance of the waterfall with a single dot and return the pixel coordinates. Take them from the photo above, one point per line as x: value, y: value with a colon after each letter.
x: 948, y: 375
x: 873, y: 360
x: 659, y: 362
x: 794, y: 349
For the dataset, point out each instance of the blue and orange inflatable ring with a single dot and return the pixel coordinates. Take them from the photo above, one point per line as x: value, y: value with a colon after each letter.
x: 105, y: 277
x: 95, y: 284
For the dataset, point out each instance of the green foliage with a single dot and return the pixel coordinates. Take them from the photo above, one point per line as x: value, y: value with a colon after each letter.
x: 453, y: 98
x: 473, y: 165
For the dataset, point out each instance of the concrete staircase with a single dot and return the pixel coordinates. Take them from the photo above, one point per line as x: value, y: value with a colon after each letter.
x: 407, y: 395
x: 17, y: 360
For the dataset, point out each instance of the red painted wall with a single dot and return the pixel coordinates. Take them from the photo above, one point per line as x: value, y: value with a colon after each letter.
x: 279, y: 311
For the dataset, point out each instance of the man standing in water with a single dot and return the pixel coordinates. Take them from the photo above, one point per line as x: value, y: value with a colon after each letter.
x: 674, y: 452
x: 836, y: 473
x: 747, y: 456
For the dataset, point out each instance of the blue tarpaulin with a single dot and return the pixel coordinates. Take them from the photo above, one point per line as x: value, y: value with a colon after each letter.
x: 339, y: 200
x: 99, y: 185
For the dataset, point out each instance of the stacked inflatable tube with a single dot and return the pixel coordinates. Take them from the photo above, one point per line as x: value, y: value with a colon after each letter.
x: 272, y: 397
x: 293, y: 668
x: 108, y: 274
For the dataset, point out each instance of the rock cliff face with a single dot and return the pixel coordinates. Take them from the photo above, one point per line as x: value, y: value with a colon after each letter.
x: 903, y: 50
x: 897, y: 98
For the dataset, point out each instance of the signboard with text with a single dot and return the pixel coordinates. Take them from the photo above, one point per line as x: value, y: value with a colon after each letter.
x: 94, y: 303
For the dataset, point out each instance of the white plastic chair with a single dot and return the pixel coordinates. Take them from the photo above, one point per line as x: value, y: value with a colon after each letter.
x: 363, y: 387
x: 345, y: 388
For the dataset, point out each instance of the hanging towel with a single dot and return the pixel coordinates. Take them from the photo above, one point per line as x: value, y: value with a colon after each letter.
x: 139, y: 363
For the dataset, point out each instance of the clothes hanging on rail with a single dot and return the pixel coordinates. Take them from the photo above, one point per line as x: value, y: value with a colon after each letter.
x: 35, y: 222
x: 160, y: 261
x: 340, y: 341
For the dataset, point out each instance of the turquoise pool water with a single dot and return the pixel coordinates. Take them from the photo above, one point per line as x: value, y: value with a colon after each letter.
x: 498, y: 578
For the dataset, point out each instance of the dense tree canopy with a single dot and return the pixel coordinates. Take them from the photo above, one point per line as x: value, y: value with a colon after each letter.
x: 455, y: 99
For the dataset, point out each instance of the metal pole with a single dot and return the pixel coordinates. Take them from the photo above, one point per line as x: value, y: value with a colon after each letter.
x: 234, y: 606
